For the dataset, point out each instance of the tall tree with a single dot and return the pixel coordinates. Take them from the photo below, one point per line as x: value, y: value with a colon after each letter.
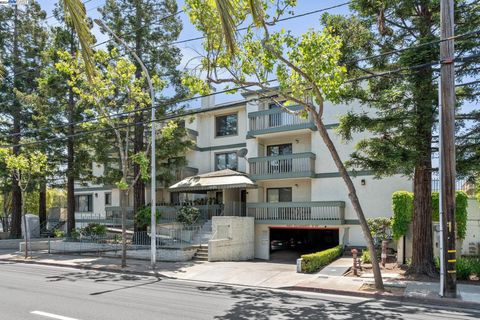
x: 405, y: 104
x: 307, y: 70
x: 22, y: 38
x: 148, y: 27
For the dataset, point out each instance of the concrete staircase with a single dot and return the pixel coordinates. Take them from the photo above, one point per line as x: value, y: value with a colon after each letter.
x: 202, y: 253
x: 200, y: 240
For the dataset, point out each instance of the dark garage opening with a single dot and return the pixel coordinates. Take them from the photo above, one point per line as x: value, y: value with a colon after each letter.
x: 288, y: 244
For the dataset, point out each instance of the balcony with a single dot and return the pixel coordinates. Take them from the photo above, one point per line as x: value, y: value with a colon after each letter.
x: 318, y: 212
x: 277, y: 120
x: 295, y: 165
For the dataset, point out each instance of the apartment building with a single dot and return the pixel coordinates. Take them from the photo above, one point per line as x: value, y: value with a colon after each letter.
x: 254, y: 159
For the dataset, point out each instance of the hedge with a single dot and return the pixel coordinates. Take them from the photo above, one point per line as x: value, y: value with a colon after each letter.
x: 315, y: 261
x: 402, y: 202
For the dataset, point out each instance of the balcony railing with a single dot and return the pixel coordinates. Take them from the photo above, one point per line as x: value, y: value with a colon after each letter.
x: 284, y: 166
x: 274, y: 120
x: 323, y: 212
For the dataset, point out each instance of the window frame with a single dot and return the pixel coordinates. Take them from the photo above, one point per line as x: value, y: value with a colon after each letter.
x: 216, y: 125
x: 279, y: 188
x: 110, y: 195
x: 226, y: 160
x: 90, y: 205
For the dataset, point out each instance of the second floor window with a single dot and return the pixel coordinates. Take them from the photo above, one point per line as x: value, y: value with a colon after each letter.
x: 84, y: 203
x: 226, y: 161
x: 226, y: 125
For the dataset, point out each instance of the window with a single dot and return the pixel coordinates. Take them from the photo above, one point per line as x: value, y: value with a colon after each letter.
x: 226, y: 161
x: 108, y: 199
x: 84, y: 203
x: 226, y: 125
x: 279, y: 195
x: 281, y: 165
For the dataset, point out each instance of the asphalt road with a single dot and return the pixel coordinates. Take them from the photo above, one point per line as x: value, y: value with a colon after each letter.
x: 41, y: 292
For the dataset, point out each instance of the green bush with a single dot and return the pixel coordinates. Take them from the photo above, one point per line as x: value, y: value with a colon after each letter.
x: 366, y: 256
x: 94, y: 229
x: 75, y: 234
x: 58, y: 233
x: 315, y: 261
x: 465, y: 266
x: 380, y: 228
x: 461, y: 205
x: 188, y: 215
x: 143, y: 217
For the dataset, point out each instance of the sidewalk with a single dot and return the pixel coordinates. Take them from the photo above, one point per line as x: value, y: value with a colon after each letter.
x: 268, y: 275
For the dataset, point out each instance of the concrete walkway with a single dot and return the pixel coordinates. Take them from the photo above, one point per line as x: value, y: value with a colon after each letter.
x: 264, y: 275
x: 337, y: 268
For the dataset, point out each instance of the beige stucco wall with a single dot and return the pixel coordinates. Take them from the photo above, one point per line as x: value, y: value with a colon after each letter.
x: 233, y: 239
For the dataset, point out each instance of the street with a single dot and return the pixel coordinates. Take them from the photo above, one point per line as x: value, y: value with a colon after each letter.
x: 44, y: 292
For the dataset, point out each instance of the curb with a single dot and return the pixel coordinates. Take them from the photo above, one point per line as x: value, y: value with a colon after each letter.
x: 82, y: 267
x: 444, y: 302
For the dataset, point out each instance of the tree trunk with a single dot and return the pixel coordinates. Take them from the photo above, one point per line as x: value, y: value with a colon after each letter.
x: 123, y: 208
x: 422, y: 253
x: 42, y: 206
x: 71, y: 165
x: 16, y: 227
x: 352, y: 194
x: 25, y: 225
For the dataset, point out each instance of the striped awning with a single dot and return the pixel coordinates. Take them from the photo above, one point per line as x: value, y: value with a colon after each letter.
x: 217, y: 180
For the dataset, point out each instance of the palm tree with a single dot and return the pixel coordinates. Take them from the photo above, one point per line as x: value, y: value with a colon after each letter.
x: 77, y: 16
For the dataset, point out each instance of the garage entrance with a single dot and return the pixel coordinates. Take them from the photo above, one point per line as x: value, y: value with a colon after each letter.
x: 287, y: 243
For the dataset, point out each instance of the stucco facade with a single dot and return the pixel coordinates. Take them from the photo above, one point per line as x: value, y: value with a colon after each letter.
x: 279, y: 150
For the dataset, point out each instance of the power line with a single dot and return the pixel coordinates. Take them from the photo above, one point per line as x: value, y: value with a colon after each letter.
x: 225, y: 91
x: 172, y: 116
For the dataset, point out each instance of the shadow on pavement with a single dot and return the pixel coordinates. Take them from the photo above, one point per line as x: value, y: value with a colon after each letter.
x: 264, y: 304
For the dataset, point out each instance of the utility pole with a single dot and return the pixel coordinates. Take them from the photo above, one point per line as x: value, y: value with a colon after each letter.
x: 447, y: 147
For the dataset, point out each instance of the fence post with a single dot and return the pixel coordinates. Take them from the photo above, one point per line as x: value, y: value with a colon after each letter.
x: 48, y: 244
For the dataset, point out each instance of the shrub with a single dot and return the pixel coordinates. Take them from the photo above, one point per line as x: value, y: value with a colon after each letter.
x: 366, y: 256
x: 188, y: 215
x: 467, y: 266
x: 143, y: 217
x: 461, y: 205
x: 58, y: 233
x: 94, y: 230
x: 315, y: 261
x: 75, y: 234
x: 380, y: 228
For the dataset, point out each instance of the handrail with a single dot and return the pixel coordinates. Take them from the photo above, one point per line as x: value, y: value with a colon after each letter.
x: 274, y: 111
x: 300, y: 155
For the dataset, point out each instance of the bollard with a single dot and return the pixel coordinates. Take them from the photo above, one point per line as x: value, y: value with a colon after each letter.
x: 384, y: 252
x: 354, y: 254
x: 48, y: 244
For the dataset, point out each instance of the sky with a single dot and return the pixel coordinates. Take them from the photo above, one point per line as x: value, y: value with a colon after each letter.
x: 189, y: 49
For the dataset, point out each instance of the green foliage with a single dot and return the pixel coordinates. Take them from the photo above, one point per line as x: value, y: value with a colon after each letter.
x: 402, y: 212
x: 467, y: 266
x: 315, y: 261
x: 143, y: 216
x: 75, y: 234
x: 94, y: 230
x: 188, y: 215
x: 380, y: 228
x: 366, y: 256
x: 402, y: 202
x: 461, y: 205
x: 58, y: 233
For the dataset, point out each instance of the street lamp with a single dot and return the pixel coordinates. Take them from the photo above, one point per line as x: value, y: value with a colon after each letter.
x: 153, y: 186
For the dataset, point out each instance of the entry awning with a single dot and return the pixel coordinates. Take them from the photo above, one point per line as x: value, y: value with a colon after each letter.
x: 217, y: 180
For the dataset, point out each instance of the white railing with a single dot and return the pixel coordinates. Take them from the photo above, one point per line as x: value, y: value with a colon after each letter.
x: 284, y: 164
x: 318, y: 211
